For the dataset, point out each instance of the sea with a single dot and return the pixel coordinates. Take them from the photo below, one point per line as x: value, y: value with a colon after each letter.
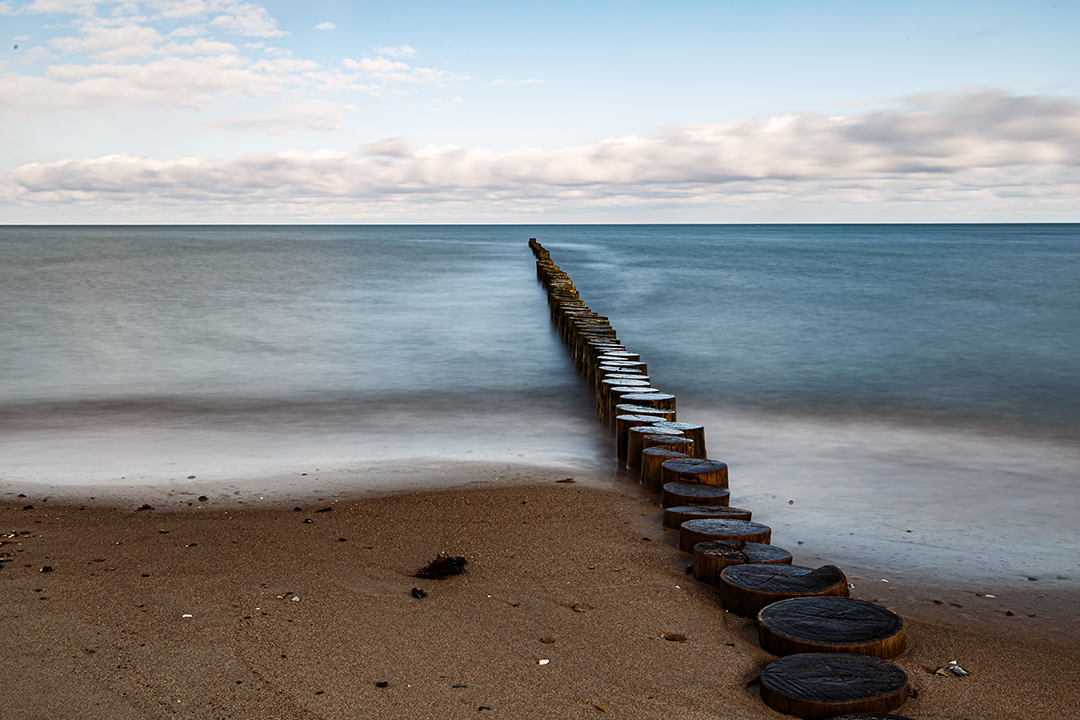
x: 904, y: 393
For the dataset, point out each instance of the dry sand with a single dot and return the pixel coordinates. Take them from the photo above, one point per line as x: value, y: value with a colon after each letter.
x: 190, y: 613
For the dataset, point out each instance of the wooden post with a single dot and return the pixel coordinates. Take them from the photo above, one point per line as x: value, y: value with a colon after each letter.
x: 712, y: 556
x: 660, y: 400
x: 671, y: 442
x: 603, y: 398
x: 816, y: 686
x: 651, y: 458
x: 679, y: 493
x: 693, y: 431
x: 677, y: 515
x: 636, y: 443
x: 692, y: 532
x: 831, y: 624
x: 616, y: 395
x: 624, y: 409
x: 623, y: 423
x: 694, y: 470
x: 745, y: 589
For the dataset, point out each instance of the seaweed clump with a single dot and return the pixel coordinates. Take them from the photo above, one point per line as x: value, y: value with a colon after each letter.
x: 441, y: 567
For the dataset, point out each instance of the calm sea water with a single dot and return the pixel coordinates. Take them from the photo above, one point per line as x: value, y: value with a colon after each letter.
x: 923, y: 378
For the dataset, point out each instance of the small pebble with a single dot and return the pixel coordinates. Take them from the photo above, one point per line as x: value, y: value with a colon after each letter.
x: 47, y: 568
x: 1009, y: 613
x: 418, y: 593
x: 28, y: 507
x: 308, y: 520
x: 190, y: 477
x: 482, y: 707
x: 1032, y: 615
x: 341, y: 540
x: 378, y: 683
x: 203, y: 498
x: 460, y: 685
x: 298, y: 509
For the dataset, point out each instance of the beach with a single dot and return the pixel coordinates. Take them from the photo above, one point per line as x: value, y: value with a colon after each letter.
x: 228, y: 456
x: 187, y: 609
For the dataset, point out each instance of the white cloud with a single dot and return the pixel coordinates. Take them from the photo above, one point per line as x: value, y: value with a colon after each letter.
x: 392, y: 147
x: 244, y: 19
x: 386, y: 71
x: 976, y: 148
x: 325, y: 26
x: 188, y: 31
x: 378, y: 66
x: 171, y: 82
x: 6, y: 8
x: 310, y: 117
x: 78, y: 7
x: 397, y: 51
x: 174, y: 9
x: 199, y: 46
x: 110, y: 44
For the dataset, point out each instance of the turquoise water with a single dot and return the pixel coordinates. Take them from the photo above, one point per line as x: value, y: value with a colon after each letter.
x: 915, y: 376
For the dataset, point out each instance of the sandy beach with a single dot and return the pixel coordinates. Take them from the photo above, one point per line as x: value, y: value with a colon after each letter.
x: 218, y: 609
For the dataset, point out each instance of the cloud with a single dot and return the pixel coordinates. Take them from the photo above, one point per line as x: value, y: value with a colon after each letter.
x: 175, y: 9
x: 393, y: 147
x: 6, y: 8
x: 325, y: 26
x: 244, y: 19
x: 171, y: 82
x: 198, y: 46
x: 51, y: 7
x: 979, y: 147
x: 391, y: 72
x: 110, y: 44
x: 397, y: 51
x: 310, y: 117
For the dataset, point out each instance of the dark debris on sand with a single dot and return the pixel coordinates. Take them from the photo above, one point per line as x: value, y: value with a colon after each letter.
x: 441, y: 567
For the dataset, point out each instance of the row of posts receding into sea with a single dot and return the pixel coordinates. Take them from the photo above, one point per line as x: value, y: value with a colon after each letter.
x: 833, y: 649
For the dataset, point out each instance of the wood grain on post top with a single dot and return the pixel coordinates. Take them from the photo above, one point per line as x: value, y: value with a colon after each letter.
x: 817, y: 686
x: 712, y: 556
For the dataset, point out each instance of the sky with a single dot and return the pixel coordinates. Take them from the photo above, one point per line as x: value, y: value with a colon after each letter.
x: 218, y: 111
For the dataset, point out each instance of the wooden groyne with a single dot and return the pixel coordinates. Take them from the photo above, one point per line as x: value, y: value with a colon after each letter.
x: 834, y: 650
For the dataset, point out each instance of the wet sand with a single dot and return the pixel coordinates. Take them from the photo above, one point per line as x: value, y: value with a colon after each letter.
x: 579, y: 574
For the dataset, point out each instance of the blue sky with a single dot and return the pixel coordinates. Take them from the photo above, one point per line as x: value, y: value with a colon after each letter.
x: 226, y: 111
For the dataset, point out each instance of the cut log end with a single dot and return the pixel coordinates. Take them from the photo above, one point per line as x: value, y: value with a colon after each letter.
x: 816, y: 686
x: 683, y: 493
x: 746, y: 589
x: 831, y: 624
x: 692, y: 532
